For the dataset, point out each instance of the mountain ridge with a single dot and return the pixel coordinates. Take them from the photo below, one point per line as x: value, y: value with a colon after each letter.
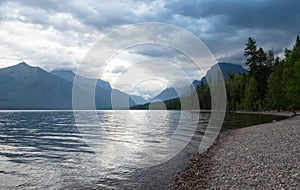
x: 70, y: 75
x: 26, y: 87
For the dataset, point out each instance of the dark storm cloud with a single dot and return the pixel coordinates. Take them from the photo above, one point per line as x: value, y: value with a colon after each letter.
x: 48, y: 5
x: 232, y: 14
x: 255, y: 14
x: 273, y: 23
x: 101, y: 15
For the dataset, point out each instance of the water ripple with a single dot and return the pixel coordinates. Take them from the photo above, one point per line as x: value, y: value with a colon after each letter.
x: 41, y: 150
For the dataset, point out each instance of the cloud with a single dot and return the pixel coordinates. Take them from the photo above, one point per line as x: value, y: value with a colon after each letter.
x: 58, y: 34
x: 257, y: 14
x: 274, y: 23
x: 118, y: 69
x: 91, y: 13
x: 46, y: 48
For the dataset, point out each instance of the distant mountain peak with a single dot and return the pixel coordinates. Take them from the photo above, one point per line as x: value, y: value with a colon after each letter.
x: 22, y: 67
x: 22, y: 64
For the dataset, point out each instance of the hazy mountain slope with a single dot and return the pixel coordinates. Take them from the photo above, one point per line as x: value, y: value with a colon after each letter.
x: 70, y: 75
x: 26, y: 87
x: 225, y: 68
x: 103, y: 90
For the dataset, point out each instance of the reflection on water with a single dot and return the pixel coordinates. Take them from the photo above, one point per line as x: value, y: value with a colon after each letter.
x: 235, y: 120
x: 137, y: 139
x: 46, y: 149
x: 41, y: 150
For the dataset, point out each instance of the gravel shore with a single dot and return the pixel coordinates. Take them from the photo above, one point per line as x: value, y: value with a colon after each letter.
x: 265, y: 156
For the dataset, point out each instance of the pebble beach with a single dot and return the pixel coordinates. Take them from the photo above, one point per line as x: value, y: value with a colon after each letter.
x: 265, y: 156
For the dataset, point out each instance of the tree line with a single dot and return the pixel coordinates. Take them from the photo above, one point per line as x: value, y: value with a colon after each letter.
x: 272, y: 82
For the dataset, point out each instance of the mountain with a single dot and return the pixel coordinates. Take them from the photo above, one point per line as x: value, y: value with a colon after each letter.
x: 70, y: 75
x: 103, y: 90
x: 26, y: 87
x: 225, y: 68
x: 138, y: 99
x: 101, y: 86
x: 171, y: 93
x: 166, y: 94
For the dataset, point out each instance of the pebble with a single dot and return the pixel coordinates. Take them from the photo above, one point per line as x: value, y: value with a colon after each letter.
x: 265, y: 156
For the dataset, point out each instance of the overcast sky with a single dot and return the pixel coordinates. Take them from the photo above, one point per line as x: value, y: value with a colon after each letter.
x: 58, y: 34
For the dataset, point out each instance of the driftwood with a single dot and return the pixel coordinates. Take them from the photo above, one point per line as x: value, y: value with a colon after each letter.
x: 294, y: 113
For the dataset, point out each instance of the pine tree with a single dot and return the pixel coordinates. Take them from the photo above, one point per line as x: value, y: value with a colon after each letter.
x: 297, y: 78
x: 204, y: 96
x: 261, y: 56
x: 270, y: 60
x: 251, y: 54
x: 262, y: 74
x: 252, y: 101
x: 291, y: 76
x: 275, y: 87
x: 235, y: 86
x: 287, y: 52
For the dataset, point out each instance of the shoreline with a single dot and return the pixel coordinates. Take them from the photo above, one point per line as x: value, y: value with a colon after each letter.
x: 264, y: 156
x: 272, y: 112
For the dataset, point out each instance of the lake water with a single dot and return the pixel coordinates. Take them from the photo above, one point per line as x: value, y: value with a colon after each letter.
x: 121, y: 150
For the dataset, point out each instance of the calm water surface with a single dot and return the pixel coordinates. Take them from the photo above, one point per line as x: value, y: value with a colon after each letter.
x: 46, y: 149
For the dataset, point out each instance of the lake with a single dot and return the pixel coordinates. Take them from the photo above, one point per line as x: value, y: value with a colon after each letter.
x: 117, y: 150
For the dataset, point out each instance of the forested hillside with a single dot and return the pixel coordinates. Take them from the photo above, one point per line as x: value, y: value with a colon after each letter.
x: 272, y: 82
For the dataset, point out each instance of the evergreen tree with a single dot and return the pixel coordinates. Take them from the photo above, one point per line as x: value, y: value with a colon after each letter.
x: 251, y: 96
x: 261, y: 56
x: 251, y: 54
x: 287, y: 52
x: 297, y: 74
x: 235, y: 86
x: 230, y: 92
x: 262, y: 74
x: 218, y: 90
x: 275, y: 87
x: 204, y: 96
x: 271, y: 60
x: 275, y: 93
x: 291, y: 76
